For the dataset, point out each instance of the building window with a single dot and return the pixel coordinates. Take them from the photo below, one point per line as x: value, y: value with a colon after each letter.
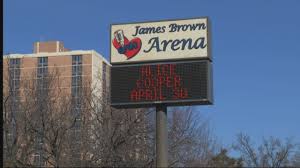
x: 104, y: 89
x: 42, y: 72
x: 14, y: 74
x: 14, y: 99
x: 42, y: 67
x: 43, y: 60
x: 77, y: 124
x: 77, y: 59
x: 37, y: 159
x: 105, y: 83
x: 14, y: 61
x: 76, y: 70
x: 42, y: 94
x: 76, y: 93
x: 76, y: 75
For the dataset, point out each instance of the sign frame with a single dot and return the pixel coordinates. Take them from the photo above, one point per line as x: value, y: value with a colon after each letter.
x: 186, y: 102
x: 208, y: 35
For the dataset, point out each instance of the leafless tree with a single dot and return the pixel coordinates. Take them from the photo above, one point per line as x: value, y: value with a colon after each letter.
x: 222, y: 159
x: 191, y: 141
x: 12, y: 128
x: 295, y: 160
x: 271, y: 153
x: 36, y: 120
x: 47, y: 126
x: 48, y: 117
x: 45, y: 121
x: 126, y: 137
x: 118, y: 136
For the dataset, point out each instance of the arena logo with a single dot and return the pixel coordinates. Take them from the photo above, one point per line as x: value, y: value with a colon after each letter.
x: 126, y: 47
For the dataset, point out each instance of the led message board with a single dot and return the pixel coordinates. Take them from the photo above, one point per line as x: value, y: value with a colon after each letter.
x: 176, y: 83
x: 159, y: 41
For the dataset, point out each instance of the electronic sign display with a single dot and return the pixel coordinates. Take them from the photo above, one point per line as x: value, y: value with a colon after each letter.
x: 172, y: 84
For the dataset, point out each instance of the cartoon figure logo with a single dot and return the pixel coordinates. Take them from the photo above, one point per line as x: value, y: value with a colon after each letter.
x: 126, y: 47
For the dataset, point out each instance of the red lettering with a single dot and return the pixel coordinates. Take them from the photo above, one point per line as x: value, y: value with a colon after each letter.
x: 134, y: 95
x: 146, y: 71
x: 155, y: 93
x: 141, y: 94
x: 186, y: 93
x: 161, y: 97
x: 183, y: 93
x: 158, y: 70
x: 168, y: 81
x: 175, y: 94
x: 176, y: 81
x: 172, y: 69
x: 164, y: 69
x: 147, y: 82
x: 138, y: 83
x: 154, y: 79
x: 160, y: 81
x: 148, y: 94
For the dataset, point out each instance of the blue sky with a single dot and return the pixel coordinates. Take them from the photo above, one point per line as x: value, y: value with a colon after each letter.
x: 255, y: 46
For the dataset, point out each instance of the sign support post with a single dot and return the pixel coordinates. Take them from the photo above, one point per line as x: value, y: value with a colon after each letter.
x: 161, y: 136
x: 160, y: 64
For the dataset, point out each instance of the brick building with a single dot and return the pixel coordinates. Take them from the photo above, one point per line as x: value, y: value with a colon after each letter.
x: 75, y: 67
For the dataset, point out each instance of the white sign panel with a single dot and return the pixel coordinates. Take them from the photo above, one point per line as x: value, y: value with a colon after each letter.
x: 157, y: 41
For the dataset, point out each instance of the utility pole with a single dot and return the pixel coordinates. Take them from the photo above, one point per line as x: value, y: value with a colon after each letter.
x: 161, y: 136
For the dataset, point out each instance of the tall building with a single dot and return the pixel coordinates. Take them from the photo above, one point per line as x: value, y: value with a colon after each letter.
x: 76, y: 69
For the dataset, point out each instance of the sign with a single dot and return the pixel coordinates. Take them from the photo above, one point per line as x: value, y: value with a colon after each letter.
x: 180, y: 83
x: 159, y: 41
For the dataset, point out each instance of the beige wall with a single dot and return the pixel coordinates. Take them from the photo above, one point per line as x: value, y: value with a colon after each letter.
x: 48, y: 46
x: 60, y: 64
x: 87, y: 69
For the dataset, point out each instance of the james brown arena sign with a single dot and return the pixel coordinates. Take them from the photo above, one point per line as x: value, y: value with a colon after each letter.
x: 163, y: 62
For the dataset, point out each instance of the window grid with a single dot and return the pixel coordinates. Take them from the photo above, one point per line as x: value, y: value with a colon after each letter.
x: 14, y: 74
x: 41, y: 82
x: 105, y: 83
x: 14, y: 87
x: 104, y: 78
x: 76, y: 92
x: 42, y: 72
x: 36, y: 159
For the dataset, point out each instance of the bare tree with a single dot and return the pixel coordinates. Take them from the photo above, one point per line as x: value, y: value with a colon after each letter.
x: 126, y: 137
x: 271, y: 153
x: 48, y: 117
x: 47, y: 127
x: 12, y: 128
x: 223, y: 160
x: 51, y: 128
x: 118, y: 136
x: 36, y: 118
x: 295, y: 160
x: 191, y: 142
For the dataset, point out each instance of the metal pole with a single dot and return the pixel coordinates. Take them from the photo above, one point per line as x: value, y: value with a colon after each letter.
x: 161, y: 136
